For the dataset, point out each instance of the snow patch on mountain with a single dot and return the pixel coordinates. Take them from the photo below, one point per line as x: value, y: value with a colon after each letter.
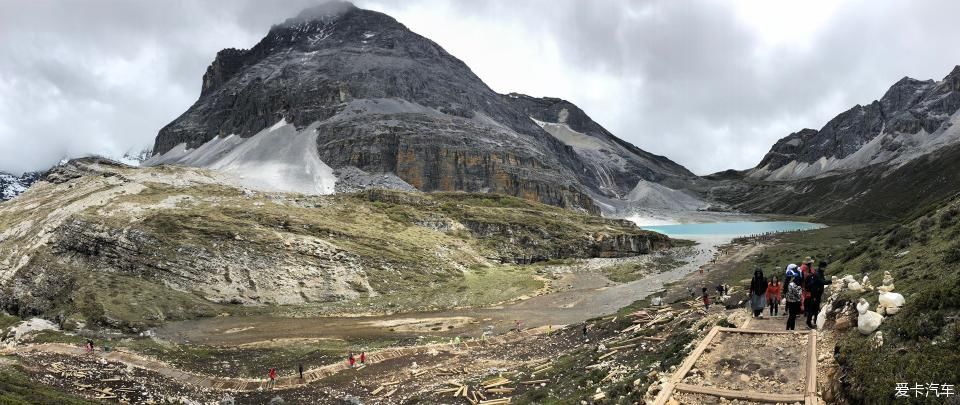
x: 654, y: 195
x: 278, y: 159
x: 567, y: 135
x: 12, y: 185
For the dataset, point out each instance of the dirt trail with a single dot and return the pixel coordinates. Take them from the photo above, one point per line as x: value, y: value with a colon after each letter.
x: 283, y: 382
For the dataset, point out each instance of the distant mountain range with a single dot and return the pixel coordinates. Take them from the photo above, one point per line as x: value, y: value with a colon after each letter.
x: 873, y: 162
x: 12, y: 185
x: 912, y: 119
x: 341, y: 89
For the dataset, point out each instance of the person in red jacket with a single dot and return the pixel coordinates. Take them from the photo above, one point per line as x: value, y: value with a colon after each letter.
x: 706, y: 300
x: 363, y: 357
x: 773, y: 295
x: 273, y: 377
x: 352, y: 360
x: 806, y: 271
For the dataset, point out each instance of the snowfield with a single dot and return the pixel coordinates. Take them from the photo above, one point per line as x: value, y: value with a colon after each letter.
x: 277, y: 159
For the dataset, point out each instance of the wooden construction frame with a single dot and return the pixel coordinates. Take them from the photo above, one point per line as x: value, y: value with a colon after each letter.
x: 809, y: 397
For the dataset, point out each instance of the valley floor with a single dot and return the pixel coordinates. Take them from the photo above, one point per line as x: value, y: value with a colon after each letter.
x: 224, y: 346
x: 625, y: 350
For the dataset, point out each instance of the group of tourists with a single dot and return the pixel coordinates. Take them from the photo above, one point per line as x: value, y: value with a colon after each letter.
x: 801, y: 292
x: 272, y: 374
x: 353, y: 359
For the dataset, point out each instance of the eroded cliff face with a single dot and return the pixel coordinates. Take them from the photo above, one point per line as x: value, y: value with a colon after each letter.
x: 226, y: 270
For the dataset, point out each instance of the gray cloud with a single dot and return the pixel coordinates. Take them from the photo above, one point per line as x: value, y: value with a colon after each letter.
x: 692, y: 80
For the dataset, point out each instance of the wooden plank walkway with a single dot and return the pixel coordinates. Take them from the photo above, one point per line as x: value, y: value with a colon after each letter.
x: 808, y: 397
x: 254, y: 384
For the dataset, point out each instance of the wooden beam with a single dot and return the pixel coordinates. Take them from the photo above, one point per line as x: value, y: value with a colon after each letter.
x: 681, y: 372
x: 745, y: 395
x: 763, y: 332
x: 665, y: 393
x: 812, y: 365
x: 694, y: 356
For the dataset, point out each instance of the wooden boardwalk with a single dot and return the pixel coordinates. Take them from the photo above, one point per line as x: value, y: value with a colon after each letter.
x: 808, y: 397
x: 254, y: 384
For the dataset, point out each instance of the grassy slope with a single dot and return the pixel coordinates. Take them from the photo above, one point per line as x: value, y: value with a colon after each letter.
x: 922, y: 342
x: 16, y: 388
x: 412, y: 247
x: 821, y: 244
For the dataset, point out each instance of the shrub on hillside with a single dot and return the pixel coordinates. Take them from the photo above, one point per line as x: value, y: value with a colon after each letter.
x: 952, y: 254
x: 899, y: 237
x: 870, y: 266
x: 948, y: 217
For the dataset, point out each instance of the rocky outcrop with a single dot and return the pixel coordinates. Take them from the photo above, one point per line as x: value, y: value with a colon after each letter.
x: 228, y: 269
x: 912, y: 119
x: 516, y: 243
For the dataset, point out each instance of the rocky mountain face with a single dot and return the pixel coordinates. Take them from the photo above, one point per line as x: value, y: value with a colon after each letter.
x: 625, y: 177
x: 912, y: 119
x: 373, y: 96
x: 612, y: 163
x: 12, y: 185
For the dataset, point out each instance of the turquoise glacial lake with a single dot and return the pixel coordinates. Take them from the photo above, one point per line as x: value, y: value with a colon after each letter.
x: 731, y: 229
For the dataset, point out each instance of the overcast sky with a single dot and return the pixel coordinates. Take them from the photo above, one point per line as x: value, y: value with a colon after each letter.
x: 710, y: 84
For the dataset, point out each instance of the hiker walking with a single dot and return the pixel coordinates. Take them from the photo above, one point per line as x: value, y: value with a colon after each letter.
x: 300, y: 369
x: 89, y: 345
x: 815, y: 287
x: 806, y: 273
x: 773, y: 296
x: 806, y: 269
x: 758, y: 290
x: 792, y: 272
x: 351, y: 360
x: 585, y: 330
x: 363, y: 356
x: 793, y: 293
x: 273, y: 377
x: 518, y: 324
x: 706, y: 300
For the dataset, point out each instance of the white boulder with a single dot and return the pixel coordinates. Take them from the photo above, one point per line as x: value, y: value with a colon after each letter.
x: 890, y: 303
x: 32, y: 325
x: 855, y: 286
x: 836, y: 285
x: 887, y: 283
x: 822, y: 317
x: 878, y: 340
x: 868, y: 321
